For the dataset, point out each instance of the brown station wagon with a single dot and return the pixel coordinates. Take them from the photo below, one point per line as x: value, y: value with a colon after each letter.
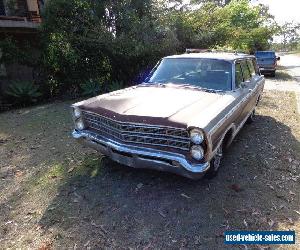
x: 179, y: 119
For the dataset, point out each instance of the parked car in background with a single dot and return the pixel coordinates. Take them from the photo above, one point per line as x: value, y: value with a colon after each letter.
x: 267, y: 62
x: 180, y: 119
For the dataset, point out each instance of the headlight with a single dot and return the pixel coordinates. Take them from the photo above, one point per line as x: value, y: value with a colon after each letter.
x: 77, y: 113
x: 197, y: 136
x: 79, y: 124
x: 197, y: 152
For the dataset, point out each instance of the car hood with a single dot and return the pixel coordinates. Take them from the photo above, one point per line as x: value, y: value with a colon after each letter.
x: 159, y: 104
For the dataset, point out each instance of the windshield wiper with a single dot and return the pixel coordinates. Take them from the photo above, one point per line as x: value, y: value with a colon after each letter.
x: 200, y: 88
x: 184, y: 85
x: 159, y: 84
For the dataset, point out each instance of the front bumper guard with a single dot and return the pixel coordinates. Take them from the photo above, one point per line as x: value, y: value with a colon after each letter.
x: 138, y: 157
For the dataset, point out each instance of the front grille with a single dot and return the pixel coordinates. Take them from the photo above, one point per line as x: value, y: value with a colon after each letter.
x: 138, y: 133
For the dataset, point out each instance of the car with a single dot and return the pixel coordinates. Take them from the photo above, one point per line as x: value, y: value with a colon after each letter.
x: 180, y: 119
x: 267, y: 62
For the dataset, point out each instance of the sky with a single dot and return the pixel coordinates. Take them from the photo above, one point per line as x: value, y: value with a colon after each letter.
x: 283, y: 10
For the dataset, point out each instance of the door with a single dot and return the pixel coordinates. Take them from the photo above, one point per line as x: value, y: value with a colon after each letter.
x: 249, y: 87
x: 241, y: 92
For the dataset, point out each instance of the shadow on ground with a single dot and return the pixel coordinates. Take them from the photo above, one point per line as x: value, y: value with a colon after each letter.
x: 78, y: 199
x: 123, y: 207
x: 281, y: 75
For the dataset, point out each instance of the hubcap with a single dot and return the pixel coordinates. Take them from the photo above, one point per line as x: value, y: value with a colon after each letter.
x: 217, y: 158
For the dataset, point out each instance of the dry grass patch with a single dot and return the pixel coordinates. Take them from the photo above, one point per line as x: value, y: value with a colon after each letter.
x: 56, y: 193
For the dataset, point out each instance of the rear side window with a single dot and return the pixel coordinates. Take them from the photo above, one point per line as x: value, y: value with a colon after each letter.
x: 246, y: 71
x: 255, y: 67
x: 251, y: 67
x: 238, y: 75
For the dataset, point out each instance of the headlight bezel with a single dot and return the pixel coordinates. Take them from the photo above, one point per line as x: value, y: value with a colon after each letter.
x: 78, y: 119
x: 77, y: 113
x: 197, y: 136
x: 200, y: 141
x: 79, y: 124
x: 197, y: 149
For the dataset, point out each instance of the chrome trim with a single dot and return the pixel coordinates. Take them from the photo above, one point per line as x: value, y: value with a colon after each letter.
x: 109, y: 144
x: 237, y: 106
x: 138, y: 133
x: 140, y: 126
x: 236, y: 130
x: 132, y: 123
x: 260, y: 81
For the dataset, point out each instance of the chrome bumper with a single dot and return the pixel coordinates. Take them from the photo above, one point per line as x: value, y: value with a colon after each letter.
x: 138, y: 157
x: 263, y: 69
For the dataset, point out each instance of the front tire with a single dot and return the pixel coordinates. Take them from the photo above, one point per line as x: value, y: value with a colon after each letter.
x: 215, y: 164
x: 251, y: 118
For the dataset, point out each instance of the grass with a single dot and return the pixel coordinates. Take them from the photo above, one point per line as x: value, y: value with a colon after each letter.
x: 55, y: 192
x: 282, y: 75
x: 55, y: 175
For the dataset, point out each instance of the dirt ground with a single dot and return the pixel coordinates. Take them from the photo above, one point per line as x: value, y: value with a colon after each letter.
x: 55, y: 194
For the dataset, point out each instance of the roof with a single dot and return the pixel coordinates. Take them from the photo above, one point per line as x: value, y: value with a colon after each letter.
x: 213, y: 55
x: 265, y: 51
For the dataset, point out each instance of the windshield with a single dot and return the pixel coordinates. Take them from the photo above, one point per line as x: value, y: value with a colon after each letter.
x: 265, y: 54
x: 204, y: 73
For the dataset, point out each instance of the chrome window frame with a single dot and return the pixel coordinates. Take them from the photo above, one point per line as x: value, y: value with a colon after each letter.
x: 216, y: 59
x: 239, y: 60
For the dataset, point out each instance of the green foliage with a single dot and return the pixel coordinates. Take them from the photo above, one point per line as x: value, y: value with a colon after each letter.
x: 23, y: 52
x: 290, y: 33
x: 91, y: 88
x: 235, y: 24
x: 115, y: 86
x: 250, y: 28
x: 85, y: 42
x: 23, y: 92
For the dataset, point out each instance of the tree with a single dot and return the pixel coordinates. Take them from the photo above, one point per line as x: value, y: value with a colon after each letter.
x: 238, y: 25
x: 107, y: 40
x: 220, y: 3
x: 290, y: 34
x: 249, y: 28
x: 87, y: 40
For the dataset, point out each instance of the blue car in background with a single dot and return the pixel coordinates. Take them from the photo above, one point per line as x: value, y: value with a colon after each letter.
x: 267, y: 62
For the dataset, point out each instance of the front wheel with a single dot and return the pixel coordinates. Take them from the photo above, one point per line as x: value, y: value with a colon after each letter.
x: 215, y: 164
x: 251, y: 117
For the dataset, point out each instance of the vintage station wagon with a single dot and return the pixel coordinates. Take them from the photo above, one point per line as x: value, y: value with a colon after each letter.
x: 180, y: 119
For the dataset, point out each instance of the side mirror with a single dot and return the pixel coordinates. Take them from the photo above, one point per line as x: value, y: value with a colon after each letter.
x: 278, y: 58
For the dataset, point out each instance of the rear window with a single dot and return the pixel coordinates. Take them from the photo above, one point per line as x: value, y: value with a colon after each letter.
x: 265, y: 54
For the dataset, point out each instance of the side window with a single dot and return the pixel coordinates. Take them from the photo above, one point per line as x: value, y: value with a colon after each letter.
x: 256, y: 68
x: 246, y: 72
x: 251, y: 67
x: 238, y: 75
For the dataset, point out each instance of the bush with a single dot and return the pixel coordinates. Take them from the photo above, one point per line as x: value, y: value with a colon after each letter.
x: 91, y: 88
x: 118, y: 42
x: 114, y: 85
x: 82, y: 41
x: 23, y: 93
